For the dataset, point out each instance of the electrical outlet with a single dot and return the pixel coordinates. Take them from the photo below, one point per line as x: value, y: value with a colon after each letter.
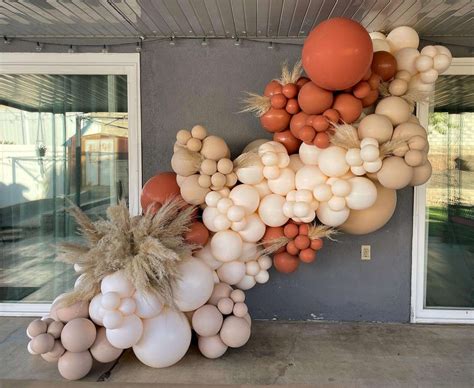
x: 365, y: 252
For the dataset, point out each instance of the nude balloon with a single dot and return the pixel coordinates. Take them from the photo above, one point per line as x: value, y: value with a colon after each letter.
x: 421, y: 174
x: 212, y: 347
x: 75, y: 366
x: 166, y: 339
x: 235, y: 332
x: 271, y: 210
x: 375, y: 126
x: 102, y: 350
x: 194, y: 285
x: 395, y: 173
x: 395, y: 108
x: 207, y: 320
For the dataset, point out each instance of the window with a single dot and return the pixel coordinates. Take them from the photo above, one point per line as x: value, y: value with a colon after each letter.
x: 69, y: 134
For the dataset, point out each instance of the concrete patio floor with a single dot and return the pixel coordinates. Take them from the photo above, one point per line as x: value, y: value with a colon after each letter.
x: 286, y: 353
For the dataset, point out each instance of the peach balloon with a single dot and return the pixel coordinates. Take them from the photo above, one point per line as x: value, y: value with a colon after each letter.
x: 375, y: 126
x: 363, y: 193
x: 245, y: 196
x: 127, y: 334
x: 421, y: 174
x: 284, y: 183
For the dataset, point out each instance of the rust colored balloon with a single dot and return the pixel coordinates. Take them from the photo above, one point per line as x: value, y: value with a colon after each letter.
x: 278, y: 101
x: 361, y: 90
x: 273, y: 87
x: 321, y: 140
x: 303, y: 229
x: 302, y: 242
x: 384, y: 64
x: 271, y: 234
x: 198, y: 234
x: 292, y: 106
x: 307, y: 255
x: 285, y: 263
x: 371, y: 98
x: 337, y: 54
x: 314, y: 100
x: 307, y: 134
x: 316, y: 244
x: 301, y: 81
x: 291, y: 143
x: 297, y: 122
x: 320, y: 123
x: 290, y: 230
x: 374, y: 81
x: 158, y: 189
x: 348, y: 106
x: 332, y: 115
x: 291, y: 248
x: 275, y: 120
x: 290, y: 90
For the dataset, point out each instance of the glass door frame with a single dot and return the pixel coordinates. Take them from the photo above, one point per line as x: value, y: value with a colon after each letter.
x: 419, y: 313
x: 87, y: 64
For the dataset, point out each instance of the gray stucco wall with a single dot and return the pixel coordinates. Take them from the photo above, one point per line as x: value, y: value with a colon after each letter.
x: 188, y: 84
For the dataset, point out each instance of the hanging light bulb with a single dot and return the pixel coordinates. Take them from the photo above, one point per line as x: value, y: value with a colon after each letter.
x: 70, y: 50
x: 172, y: 42
x: 105, y: 50
x: 270, y: 46
x: 6, y: 40
x: 204, y: 42
x: 237, y: 42
x: 138, y: 49
x: 39, y: 46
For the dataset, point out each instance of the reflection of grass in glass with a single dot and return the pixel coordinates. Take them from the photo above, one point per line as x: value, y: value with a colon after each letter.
x: 450, y: 232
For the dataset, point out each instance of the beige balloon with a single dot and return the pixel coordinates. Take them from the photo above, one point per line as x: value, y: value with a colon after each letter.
x: 42, y: 343
x: 235, y: 332
x: 395, y: 108
x: 75, y: 366
x: 414, y: 158
x: 185, y: 163
x: 192, y: 192
x: 408, y: 130
x: 221, y: 290
x: 102, y: 350
x: 215, y: 148
x: 65, y: 314
x: 78, y: 335
x: 56, y: 352
x: 36, y: 327
x: 375, y: 217
x: 395, y: 173
x: 421, y: 174
x: 55, y: 328
x: 212, y: 347
x: 375, y: 126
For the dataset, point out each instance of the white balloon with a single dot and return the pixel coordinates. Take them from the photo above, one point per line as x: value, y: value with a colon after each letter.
x: 372, y: 167
x: 110, y: 300
x: 232, y: 272
x: 265, y: 262
x: 284, y: 183
x: 271, y: 210
x: 96, y: 311
x: 363, y: 193
x: 208, y: 216
x: 337, y: 203
x: 253, y: 230
x: 148, y: 305
x: 112, y: 319
x: 252, y: 268
x: 401, y: 37
x: 262, y: 277
x: 309, y: 154
x: 205, y: 254
x: 117, y: 282
x: 194, y: 285
x: 212, y: 198
x: 79, y: 280
x: 127, y: 334
x: 249, y: 251
x: 166, y: 339
x: 251, y: 175
x: 245, y: 196
x: 226, y: 245
x: 332, y: 161
x: 127, y: 306
x: 322, y: 192
x: 330, y: 217
x: 221, y: 222
x: 309, y: 177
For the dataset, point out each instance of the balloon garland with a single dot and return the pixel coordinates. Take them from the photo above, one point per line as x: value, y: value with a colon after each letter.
x: 344, y: 140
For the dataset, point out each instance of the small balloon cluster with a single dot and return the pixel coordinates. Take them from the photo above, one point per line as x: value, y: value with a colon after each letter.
x: 344, y: 140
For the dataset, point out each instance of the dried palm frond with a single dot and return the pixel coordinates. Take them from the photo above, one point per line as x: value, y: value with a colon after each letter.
x: 256, y: 104
x: 411, y: 96
x: 321, y: 231
x: 272, y: 246
x: 147, y: 248
x: 290, y: 76
x: 345, y: 136
x: 389, y: 147
x: 247, y: 159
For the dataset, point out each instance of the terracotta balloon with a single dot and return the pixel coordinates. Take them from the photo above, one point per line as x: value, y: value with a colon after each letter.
x: 285, y: 263
x: 384, y: 64
x: 158, y: 189
x: 348, y: 106
x: 272, y: 88
x: 291, y: 143
x: 297, y: 122
x: 271, y: 234
x: 375, y: 217
x: 337, y: 54
x: 275, y: 120
x: 314, y: 100
x: 198, y: 234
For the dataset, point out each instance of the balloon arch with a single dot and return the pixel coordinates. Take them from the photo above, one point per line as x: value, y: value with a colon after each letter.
x: 344, y: 140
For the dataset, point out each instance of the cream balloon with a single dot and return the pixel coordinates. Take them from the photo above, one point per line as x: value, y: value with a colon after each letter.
x: 332, y: 161
x: 271, y: 210
x: 295, y: 162
x: 254, y: 229
x: 194, y: 285
x: 166, y: 339
x: 363, y: 193
x: 226, y: 245
x: 401, y: 37
x: 330, y: 217
x: 117, y: 282
x: 212, y: 347
x: 148, y: 305
x: 284, y: 183
x: 231, y: 272
x: 308, y: 177
x: 309, y: 154
x: 245, y: 196
x: 127, y: 334
x: 208, y: 216
x: 395, y: 108
x: 398, y: 87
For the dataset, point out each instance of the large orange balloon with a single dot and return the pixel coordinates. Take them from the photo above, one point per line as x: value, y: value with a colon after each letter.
x: 337, y: 54
x: 158, y: 189
x: 275, y: 120
x: 314, y: 100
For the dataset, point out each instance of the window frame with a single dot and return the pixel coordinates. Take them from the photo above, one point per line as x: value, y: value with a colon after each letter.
x: 419, y: 313
x: 93, y: 64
